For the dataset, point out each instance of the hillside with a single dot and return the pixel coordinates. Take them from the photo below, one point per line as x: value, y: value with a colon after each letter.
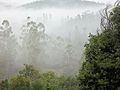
x: 61, y: 4
x: 5, y: 5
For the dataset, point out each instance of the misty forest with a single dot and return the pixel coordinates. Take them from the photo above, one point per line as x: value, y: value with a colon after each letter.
x: 60, y: 45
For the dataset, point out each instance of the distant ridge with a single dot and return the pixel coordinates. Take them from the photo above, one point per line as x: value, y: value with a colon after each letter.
x: 5, y: 5
x: 60, y: 4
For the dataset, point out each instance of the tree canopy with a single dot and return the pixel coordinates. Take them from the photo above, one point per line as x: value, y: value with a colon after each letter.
x: 101, y: 69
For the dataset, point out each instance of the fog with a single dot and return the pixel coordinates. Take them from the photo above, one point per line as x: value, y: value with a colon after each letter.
x: 48, y: 16
x: 62, y: 49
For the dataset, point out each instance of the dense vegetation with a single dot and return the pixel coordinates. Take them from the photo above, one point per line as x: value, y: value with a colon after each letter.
x: 31, y: 79
x: 100, y: 70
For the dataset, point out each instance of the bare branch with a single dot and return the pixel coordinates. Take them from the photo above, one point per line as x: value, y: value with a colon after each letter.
x: 106, y: 22
x: 117, y: 3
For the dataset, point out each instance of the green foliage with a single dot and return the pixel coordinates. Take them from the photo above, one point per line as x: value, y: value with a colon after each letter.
x: 19, y: 83
x: 4, y: 85
x: 51, y: 81
x: 116, y: 17
x: 31, y: 79
x: 30, y: 72
x: 101, y: 70
x: 38, y: 85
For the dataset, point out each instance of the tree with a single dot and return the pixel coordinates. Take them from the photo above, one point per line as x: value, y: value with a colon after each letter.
x: 4, y: 85
x: 101, y: 70
x: 38, y: 85
x: 51, y: 81
x: 8, y: 45
x: 33, y: 36
x: 68, y: 83
x: 27, y: 79
x: 20, y: 83
x: 30, y: 72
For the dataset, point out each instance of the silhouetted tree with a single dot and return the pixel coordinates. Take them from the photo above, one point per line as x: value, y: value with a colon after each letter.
x: 33, y: 36
x: 8, y: 49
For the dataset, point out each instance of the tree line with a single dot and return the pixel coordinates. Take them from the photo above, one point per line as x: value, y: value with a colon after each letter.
x: 100, y: 69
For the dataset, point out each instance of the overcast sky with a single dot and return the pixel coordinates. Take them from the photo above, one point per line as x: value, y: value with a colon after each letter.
x: 19, y: 2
